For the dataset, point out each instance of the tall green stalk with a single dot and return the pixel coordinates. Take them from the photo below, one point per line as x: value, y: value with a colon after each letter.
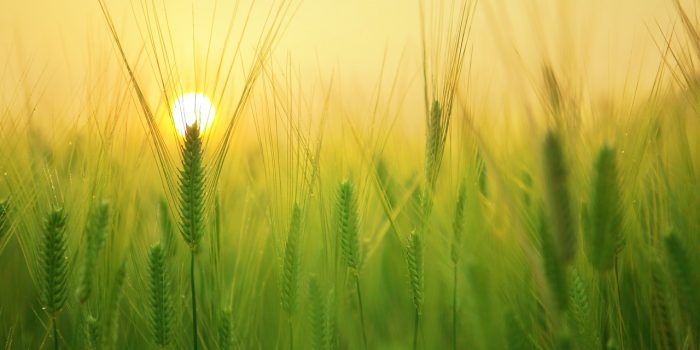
x: 54, y: 268
x: 348, y: 231
x: 160, y: 300
x: 290, y: 269
x: 191, y: 206
x: 458, y: 229
x: 414, y: 258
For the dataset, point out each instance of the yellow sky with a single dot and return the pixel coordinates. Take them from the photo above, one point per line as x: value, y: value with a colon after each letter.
x: 605, y: 42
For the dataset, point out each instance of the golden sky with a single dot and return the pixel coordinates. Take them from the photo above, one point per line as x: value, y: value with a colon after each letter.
x: 606, y: 43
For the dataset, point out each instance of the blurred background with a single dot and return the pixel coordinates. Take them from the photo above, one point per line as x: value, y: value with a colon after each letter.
x: 599, y: 48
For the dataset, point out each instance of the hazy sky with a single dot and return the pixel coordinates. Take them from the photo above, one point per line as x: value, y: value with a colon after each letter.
x: 604, y: 41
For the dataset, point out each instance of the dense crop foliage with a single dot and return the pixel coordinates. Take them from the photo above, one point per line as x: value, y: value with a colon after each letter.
x: 315, y: 230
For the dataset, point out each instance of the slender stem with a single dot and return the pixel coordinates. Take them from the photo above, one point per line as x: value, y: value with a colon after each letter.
x: 618, y: 306
x: 55, y: 332
x: 454, y: 309
x: 416, y: 325
x: 194, y: 303
x: 362, y: 314
x: 291, y: 334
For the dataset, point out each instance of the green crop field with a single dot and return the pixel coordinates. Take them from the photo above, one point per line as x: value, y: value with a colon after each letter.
x: 234, y: 205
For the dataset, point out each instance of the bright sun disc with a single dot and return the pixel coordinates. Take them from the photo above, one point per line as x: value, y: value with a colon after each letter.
x: 190, y: 108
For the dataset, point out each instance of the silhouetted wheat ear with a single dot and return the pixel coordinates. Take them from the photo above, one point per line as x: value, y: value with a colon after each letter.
x: 414, y: 259
x: 458, y: 223
x: 53, y: 258
x: 4, y: 220
x: 348, y: 225
x: 556, y: 177
x: 603, y: 232
x: 192, y: 182
x: 96, y: 234
x: 159, y: 286
x: 290, y: 268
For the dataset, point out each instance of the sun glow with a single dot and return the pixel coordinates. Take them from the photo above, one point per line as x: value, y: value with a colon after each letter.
x: 193, y: 107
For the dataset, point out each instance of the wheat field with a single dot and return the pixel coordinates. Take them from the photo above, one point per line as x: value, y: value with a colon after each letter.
x: 423, y: 175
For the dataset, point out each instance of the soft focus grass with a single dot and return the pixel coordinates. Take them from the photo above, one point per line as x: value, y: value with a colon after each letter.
x: 291, y: 159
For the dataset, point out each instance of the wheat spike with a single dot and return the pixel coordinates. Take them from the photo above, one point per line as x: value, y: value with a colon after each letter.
x: 604, y: 235
x: 348, y: 224
x: 558, y: 198
x: 96, y: 234
x: 161, y: 307
x: 290, y: 271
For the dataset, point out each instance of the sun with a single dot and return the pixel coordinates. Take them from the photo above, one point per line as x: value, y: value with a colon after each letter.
x: 193, y: 107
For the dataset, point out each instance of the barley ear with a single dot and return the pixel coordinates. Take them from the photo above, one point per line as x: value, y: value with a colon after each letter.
x: 684, y: 277
x: 581, y: 314
x: 317, y: 316
x: 116, y: 295
x: 348, y: 224
x: 603, y: 233
x: 96, y: 234
x: 93, y: 333
x: 433, y: 147
x: 458, y: 224
x: 558, y: 199
x: 161, y: 307
x: 226, y: 339
x: 554, y: 269
x: 414, y: 259
x: 192, y: 181
x: 290, y: 269
x: 54, y: 263
x: 666, y: 332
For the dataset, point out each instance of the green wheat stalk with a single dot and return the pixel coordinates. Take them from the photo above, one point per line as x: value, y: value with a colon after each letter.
x: 414, y: 259
x: 581, y: 312
x: 348, y: 224
x: 660, y: 304
x: 96, y: 234
x: 556, y: 177
x: 192, y: 182
x: 318, y: 316
x: 116, y: 296
x: 226, y: 339
x: 458, y: 230
x: 435, y: 143
x: 554, y: 269
x: 685, y: 279
x: 92, y: 333
x: 348, y: 230
x: 604, y: 236
x: 160, y: 303
x: 290, y: 268
x: 53, y: 259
